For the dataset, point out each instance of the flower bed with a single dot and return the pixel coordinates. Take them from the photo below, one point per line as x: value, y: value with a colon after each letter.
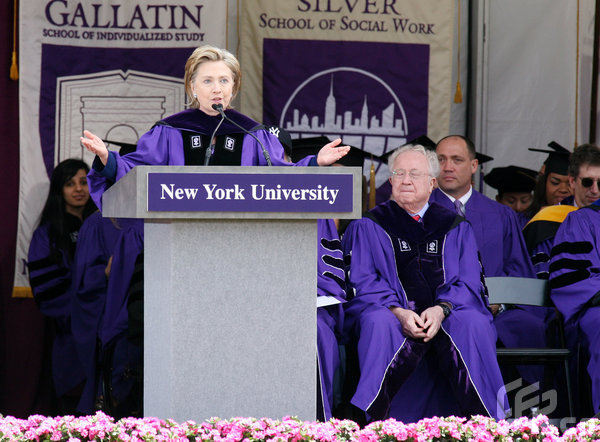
x: 101, y: 427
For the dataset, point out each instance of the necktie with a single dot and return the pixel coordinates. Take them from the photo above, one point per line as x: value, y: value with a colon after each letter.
x: 416, y: 217
x: 460, y: 208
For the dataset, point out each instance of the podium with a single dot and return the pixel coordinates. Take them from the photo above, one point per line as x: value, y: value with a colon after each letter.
x: 230, y: 258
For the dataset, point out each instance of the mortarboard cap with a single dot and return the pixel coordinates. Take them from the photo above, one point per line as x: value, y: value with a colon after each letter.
x: 558, y: 158
x: 482, y: 158
x: 124, y: 148
x: 303, y: 147
x: 423, y: 140
x: 511, y: 179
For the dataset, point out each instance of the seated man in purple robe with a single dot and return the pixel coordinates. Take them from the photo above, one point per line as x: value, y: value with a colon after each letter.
x: 575, y: 276
x: 499, y: 240
x: 575, y: 282
x: 417, y: 280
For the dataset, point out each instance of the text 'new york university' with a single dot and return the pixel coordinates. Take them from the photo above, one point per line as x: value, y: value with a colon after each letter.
x: 256, y: 192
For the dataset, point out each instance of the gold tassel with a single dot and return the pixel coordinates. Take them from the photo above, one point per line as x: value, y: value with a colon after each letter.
x: 372, y: 190
x: 14, y: 70
x: 458, y: 94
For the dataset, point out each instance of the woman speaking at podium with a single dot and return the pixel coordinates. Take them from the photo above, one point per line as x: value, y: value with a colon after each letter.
x: 209, y: 132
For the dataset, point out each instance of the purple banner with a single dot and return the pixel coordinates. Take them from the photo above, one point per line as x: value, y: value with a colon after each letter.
x: 230, y: 192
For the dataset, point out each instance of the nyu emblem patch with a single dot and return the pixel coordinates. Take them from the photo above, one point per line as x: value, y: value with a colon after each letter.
x: 196, y: 141
x: 229, y: 143
x: 404, y: 246
x: 432, y: 247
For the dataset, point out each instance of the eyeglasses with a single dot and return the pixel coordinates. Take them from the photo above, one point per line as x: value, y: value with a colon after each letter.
x: 589, y: 182
x: 413, y: 174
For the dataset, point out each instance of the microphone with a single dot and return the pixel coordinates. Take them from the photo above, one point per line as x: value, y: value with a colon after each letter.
x: 211, y: 148
x: 219, y: 108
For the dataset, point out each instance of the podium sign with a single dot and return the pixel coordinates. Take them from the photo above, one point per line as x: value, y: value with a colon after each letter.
x: 230, y: 271
x: 249, y: 192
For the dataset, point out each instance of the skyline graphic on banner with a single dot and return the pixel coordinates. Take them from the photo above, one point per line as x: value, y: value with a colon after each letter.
x: 367, y: 128
x: 372, y: 95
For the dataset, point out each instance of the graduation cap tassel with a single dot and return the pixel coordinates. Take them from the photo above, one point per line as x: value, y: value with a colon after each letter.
x: 372, y: 189
x: 14, y: 70
x: 458, y: 93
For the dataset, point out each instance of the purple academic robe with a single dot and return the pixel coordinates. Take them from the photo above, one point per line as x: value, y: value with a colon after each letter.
x: 97, y: 239
x: 539, y: 236
x: 330, y: 282
x: 385, y: 257
x: 119, y: 356
x: 503, y: 253
x: 50, y: 283
x: 497, y: 232
x: 164, y: 145
x: 127, y: 248
x: 575, y: 283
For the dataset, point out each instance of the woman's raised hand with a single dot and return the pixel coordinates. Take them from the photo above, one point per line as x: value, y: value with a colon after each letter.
x: 95, y: 145
x: 329, y: 153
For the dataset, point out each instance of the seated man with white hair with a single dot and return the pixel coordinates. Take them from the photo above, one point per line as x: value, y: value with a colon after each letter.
x: 417, y: 281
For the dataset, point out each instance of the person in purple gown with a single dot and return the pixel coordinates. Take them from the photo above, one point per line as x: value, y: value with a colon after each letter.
x: 575, y: 280
x: 417, y: 280
x: 212, y: 78
x: 500, y: 242
x: 515, y: 186
x: 50, y: 261
x: 331, y: 293
x: 540, y: 231
x: 553, y: 185
x: 122, y: 357
x: 92, y: 286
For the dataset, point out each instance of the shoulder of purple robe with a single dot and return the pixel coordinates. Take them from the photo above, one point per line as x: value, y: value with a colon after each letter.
x: 438, y: 196
x: 161, y: 145
x: 331, y: 275
x: 463, y: 286
x: 497, y: 230
x: 128, y: 246
x: 50, y: 282
x: 522, y: 219
x: 370, y: 263
x: 575, y: 262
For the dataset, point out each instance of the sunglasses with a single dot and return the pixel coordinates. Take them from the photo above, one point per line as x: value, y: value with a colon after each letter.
x: 589, y: 182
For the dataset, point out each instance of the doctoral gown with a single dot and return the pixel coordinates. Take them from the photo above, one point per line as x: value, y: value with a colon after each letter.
x: 182, y: 139
x: 51, y: 282
x: 503, y: 253
x: 393, y: 260
x: 330, y: 282
x: 575, y: 283
x: 97, y: 240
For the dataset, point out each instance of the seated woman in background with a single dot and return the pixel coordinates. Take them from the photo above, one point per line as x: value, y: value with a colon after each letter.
x: 210, y: 132
x: 50, y: 260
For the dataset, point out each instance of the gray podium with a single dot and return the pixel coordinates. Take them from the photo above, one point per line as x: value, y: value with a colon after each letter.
x: 230, y: 284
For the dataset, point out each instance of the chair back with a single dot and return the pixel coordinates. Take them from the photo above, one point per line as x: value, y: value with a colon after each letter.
x: 516, y: 290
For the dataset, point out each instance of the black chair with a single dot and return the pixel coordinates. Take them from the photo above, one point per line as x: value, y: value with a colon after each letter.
x: 535, y: 292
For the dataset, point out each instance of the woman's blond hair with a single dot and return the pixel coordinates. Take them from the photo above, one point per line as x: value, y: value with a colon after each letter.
x: 210, y: 53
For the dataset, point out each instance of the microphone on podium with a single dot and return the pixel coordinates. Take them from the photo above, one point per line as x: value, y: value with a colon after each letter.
x: 211, y: 148
x: 219, y: 108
